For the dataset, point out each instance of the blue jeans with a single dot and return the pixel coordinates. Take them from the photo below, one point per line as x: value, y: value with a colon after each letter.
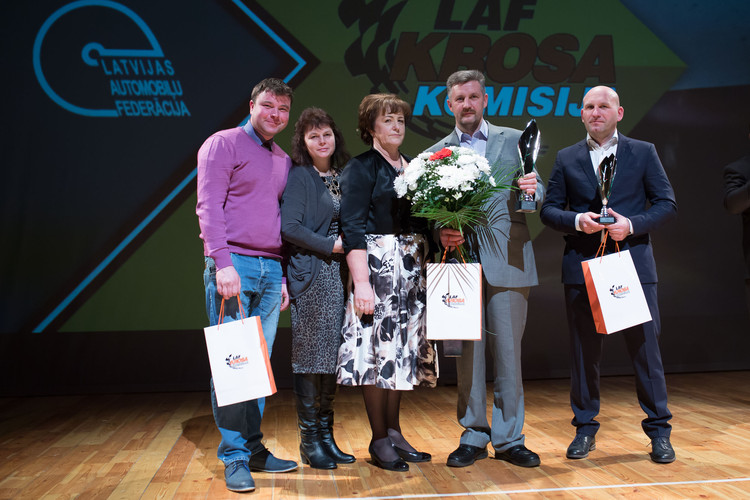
x: 260, y: 283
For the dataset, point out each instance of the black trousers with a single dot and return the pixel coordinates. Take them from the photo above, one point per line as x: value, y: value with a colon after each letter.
x: 642, y: 342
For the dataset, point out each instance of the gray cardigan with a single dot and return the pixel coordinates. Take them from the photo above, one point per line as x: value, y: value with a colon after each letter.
x: 306, y: 211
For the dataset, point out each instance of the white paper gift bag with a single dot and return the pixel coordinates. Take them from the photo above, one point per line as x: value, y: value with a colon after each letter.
x: 238, y: 354
x: 454, y: 301
x: 615, y: 292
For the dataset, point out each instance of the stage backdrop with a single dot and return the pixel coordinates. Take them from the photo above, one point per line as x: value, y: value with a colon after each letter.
x: 107, y: 102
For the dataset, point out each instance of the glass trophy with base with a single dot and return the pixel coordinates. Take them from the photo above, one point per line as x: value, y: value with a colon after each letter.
x: 528, y: 150
x: 605, y: 176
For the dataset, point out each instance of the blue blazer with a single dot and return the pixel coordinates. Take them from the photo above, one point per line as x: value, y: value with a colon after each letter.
x: 640, y: 191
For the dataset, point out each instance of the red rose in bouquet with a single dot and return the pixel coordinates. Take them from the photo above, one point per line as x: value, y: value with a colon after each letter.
x: 439, y: 155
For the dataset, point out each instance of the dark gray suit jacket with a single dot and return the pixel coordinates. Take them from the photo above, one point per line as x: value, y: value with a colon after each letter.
x: 505, y: 252
x: 306, y: 211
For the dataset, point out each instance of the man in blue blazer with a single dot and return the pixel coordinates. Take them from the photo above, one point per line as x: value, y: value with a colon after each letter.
x: 509, y: 271
x: 641, y: 200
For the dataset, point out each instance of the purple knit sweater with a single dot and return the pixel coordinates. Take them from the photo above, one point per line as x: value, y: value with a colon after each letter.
x: 240, y: 184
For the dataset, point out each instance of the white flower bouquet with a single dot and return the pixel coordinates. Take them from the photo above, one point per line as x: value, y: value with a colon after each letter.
x: 449, y: 187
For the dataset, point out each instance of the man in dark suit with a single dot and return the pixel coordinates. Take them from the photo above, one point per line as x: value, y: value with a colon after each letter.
x: 509, y: 270
x: 737, y: 201
x: 644, y: 200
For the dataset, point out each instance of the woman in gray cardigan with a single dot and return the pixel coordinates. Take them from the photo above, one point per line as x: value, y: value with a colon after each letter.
x: 316, y: 280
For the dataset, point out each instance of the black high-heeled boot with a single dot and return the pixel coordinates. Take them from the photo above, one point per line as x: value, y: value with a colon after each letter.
x: 307, y: 390
x: 327, y: 394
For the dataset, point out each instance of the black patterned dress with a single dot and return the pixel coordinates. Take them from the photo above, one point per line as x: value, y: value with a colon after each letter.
x: 317, y: 315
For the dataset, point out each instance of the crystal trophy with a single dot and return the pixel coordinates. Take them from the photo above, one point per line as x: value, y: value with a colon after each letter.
x: 528, y: 150
x: 605, y: 176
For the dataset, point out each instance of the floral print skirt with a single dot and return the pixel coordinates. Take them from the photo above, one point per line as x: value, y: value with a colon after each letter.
x: 389, y: 348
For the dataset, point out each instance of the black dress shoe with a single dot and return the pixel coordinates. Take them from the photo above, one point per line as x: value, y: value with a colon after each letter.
x: 412, y: 456
x: 465, y: 455
x: 397, y: 465
x: 581, y: 446
x: 662, y: 451
x: 519, y: 455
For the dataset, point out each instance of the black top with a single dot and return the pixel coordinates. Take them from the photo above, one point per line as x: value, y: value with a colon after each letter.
x: 369, y: 203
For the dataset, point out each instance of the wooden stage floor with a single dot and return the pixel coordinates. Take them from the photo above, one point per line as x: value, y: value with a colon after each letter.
x: 164, y: 446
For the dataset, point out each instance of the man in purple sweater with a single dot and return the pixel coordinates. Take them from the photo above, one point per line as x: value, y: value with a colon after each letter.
x: 241, y: 176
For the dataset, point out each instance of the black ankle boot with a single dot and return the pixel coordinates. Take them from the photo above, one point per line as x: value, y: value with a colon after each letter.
x: 311, y: 451
x: 327, y: 394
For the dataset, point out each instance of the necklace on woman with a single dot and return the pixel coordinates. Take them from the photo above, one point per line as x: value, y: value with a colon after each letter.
x: 332, y: 183
x: 330, y: 179
x: 398, y: 168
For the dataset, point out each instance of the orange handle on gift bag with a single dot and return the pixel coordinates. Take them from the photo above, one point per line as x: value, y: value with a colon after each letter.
x: 602, y: 245
x: 221, y: 310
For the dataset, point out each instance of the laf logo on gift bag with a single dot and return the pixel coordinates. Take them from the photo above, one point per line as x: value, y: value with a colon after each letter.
x: 619, y: 291
x: 453, y: 301
x: 237, y: 361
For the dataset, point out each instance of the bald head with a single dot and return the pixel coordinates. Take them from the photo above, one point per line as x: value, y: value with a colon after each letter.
x: 600, y: 113
x: 602, y: 90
